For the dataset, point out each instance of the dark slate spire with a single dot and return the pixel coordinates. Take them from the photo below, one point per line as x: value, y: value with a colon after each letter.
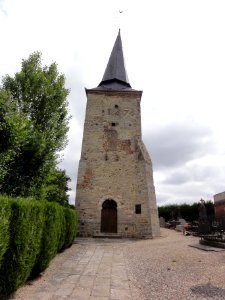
x: 115, y: 76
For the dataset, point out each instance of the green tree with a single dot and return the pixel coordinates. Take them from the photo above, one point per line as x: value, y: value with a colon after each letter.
x: 57, y: 187
x: 15, y: 132
x: 34, y: 123
x: 189, y: 212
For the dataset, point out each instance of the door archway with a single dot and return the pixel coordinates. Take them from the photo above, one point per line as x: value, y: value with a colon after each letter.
x: 109, y: 216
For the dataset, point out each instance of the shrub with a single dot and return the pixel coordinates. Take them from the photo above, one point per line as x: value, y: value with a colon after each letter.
x: 62, y: 224
x: 31, y: 233
x: 71, y: 216
x: 5, y: 213
x: 50, y: 238
x: 25, y: 236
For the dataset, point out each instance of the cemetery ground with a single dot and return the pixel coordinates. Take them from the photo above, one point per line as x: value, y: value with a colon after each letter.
x: 162, y: 268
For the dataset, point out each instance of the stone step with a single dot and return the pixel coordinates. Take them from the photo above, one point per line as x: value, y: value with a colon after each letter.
x: 107, y: 235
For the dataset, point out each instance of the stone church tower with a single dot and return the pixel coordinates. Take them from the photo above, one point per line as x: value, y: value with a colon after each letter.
x: 115, y: 190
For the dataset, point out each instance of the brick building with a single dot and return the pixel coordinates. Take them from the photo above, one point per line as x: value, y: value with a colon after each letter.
x: 219, y: 204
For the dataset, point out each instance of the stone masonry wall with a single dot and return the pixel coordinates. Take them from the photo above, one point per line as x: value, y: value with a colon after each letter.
x: 115, y: 165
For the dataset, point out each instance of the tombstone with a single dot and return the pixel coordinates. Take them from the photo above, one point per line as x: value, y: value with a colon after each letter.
x: 202, y: 211
x: 182, y: 221
x: 162, y: 222
x: 179, y: 227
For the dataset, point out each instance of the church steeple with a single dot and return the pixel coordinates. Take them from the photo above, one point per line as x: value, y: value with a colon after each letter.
x: 107, y: 199
x: 115, y: 76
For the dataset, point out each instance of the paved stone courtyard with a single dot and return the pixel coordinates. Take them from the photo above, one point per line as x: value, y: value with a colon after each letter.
x: 96, y: 270
x: 162, y: 268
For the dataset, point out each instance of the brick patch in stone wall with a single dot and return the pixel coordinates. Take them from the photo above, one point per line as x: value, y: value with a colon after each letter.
x: 86, y: 179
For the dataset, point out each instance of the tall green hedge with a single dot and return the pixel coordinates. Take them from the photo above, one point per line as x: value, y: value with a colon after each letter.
x: 5, y: 213
x: 25, y: 236
x: 71, y: 217
x: 35, y: 231
x: 51, y: 237
x: 62, y: 235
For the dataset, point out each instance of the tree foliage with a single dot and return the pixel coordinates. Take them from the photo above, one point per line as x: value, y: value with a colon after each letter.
x: 189, y: 212
x: 33, y: 127
x: 56, y: 187
x: 16, y: 136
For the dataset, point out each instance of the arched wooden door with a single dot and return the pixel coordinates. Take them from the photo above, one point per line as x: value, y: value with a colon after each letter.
x: 109, y: 216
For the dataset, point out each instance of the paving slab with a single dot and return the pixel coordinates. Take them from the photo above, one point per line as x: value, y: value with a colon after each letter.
x: 96, y: 271
x: 206, y: 247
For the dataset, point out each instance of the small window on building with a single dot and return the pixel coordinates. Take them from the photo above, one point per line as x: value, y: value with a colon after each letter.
x: 138, y: 209
x: 116, y: 106
x: 113, y: 124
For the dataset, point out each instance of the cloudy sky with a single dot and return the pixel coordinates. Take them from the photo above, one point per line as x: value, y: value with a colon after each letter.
x: 174, y: 52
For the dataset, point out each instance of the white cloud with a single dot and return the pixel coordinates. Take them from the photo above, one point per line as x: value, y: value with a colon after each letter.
x: 174, y: 51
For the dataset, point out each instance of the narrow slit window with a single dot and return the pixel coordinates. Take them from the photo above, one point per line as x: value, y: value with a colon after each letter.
x: 138, y: 209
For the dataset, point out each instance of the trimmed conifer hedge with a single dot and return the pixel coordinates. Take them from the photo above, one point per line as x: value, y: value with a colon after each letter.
x: 51, y: 237
x: 71, y: 226
x: 5, y: 213
x: 33, y: 232
x: 25, y: 236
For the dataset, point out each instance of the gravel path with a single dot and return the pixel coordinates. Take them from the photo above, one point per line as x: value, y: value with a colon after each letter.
x: 167, y: 268
x: 162, y: 268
